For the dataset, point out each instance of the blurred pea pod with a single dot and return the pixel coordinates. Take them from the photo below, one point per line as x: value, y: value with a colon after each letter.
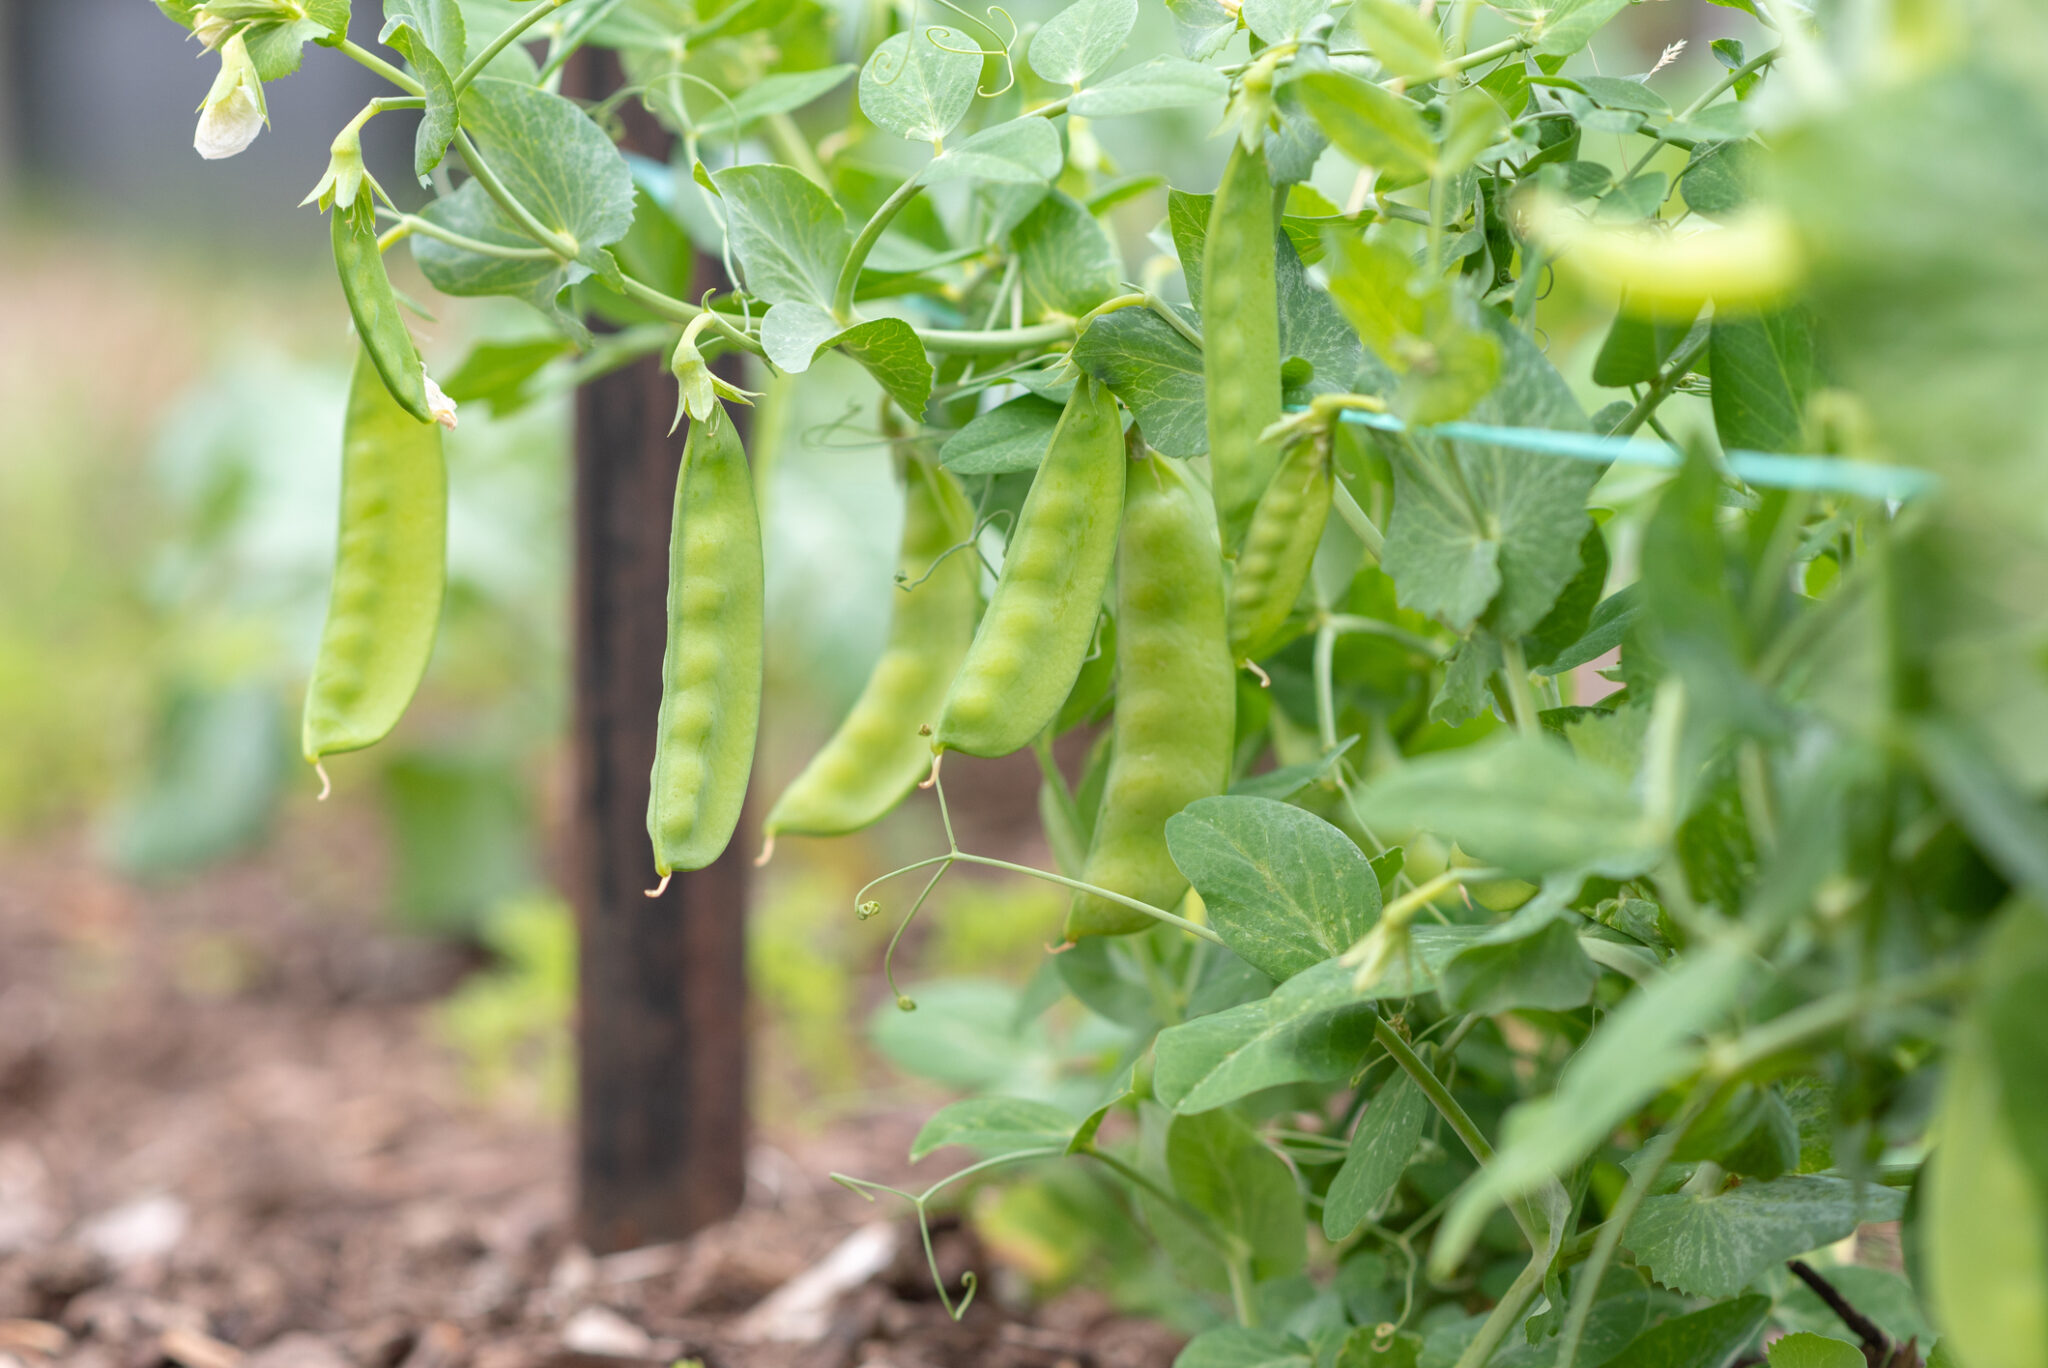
x: 1176, y: 699
x: 1279, y: 547
x: 1241, y: 339
x: 877, y: 754
x: 1036, y: 632
x: 389, y: 572
x: 711, y: 670
x: 374, y: 306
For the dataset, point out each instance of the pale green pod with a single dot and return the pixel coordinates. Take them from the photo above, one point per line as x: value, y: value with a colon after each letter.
x: 877, y: 754
x: 1240, y: 340
x: 711, y: 669
x: 389, y: 572
x: 1176, y: 700
x: 1279, y: 548
x: 374, y: 306
x: 1036, y: 632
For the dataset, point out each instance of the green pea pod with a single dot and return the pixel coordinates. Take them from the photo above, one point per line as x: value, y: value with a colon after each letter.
x: 1176, y: 700
x: 1240, y: 340
x: 711, y: 670
x: 374, y: 305
x: 1036, y: 632
x: 877, y: 754
x: 389, y: 572
x: 1279, y: 547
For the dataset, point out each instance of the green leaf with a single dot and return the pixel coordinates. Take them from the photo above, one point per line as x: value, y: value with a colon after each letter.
x: 917, y: 90
x: 553, y: 160
x: 1235, y: 1346
x: 1707, y: 1338
x: 794, y: 332
x: 1286, y: 781
x: 1081, y: 39
x: 216, y: 767
x: 1369, y: 123
x: 1985, y: 1222
x: 1763, y: 370
x: 496, y: 373
x: 1281, y: 21
x: 430, y: 34
x: 276, y: 48
x: 1636, y: 348
x: 1499, y: 536
x: 1519, y: 966
x: 1157, y: 372
x: 1570, y: 618
x: 1571, y: 24
x: 1617, y: 92
x: 1202, y: 26
x: 1285, y: 889
x: 1220, y: 1168
x: 994, y: 1125
x: 1381, y: 1148
x: 1526, y: 804
x: 1009, y: 437
x: 964, y: 1034
x: 1812, y: 1351
x: 1314, y: 1026
x: 1715, y: 1246
x: 1162, y: 83
x: 890, y: 350
x: 1068, y: 263
x: 1718, y: 178
x: 1023, y: 151
x: 778, y: 92
x: 1312, y: 328
x: 787, y: 236
x: 454, y: 271
x: 1404, y: 41
x: 1472, y: 124
x: 1642, y: 1047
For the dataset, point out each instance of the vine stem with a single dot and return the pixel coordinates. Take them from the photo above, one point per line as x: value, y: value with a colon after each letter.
x: 562, y: 246
x: 360, y: 54
x: 871, y: 231
x: 1360, y: 523
x: 509, y: 36
x: 1660, y: 388
x: 1515, y: 667
x: 1654, y: 1157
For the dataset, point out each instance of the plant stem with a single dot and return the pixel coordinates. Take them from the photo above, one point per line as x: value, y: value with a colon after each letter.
x: 1861, y: 1325
x: 561, y: 245
x: 1346, y: 623
x: 1505, y: 1312
x: 1727, y: 83
x: 413, y: 223
x: 994, y: 343
x: 1481, y: 56
x: 1515, y: 667
x: 1432, y: 1087
x: 358, y: 53
x: 1156, y: 913
x: 1660, y: 388
x: 849, y: 274
x: 1652, y: 1160
x: 1356, y: 518
x: 505, y: 40
x: 1731, y: 1059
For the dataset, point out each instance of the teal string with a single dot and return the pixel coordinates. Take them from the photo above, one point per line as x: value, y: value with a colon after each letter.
x: 1772, y: 470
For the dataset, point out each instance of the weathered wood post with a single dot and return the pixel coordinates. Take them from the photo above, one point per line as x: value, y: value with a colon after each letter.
x: 661, y: 1057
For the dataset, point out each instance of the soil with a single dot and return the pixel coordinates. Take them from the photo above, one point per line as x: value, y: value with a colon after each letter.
x: 228, y: 1136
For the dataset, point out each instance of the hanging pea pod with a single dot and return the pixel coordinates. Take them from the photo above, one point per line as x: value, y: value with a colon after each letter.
x: 1241, y: 339
x: 389, y: 572
x: 1279, y: 547
x: 877, y: 754
x: 1176, y: 699
x: 711, y: 669
x: 1036, y: 632
x: 374, y: 305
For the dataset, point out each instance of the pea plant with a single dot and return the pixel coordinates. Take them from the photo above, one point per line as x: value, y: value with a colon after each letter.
x: 1544, y: 574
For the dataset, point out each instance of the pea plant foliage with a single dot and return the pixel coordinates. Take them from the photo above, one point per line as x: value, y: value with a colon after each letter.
x: 1536, y: 550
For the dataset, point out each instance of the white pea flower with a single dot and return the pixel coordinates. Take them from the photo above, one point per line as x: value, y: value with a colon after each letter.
x: 233, y: 112
x: 438, y: 404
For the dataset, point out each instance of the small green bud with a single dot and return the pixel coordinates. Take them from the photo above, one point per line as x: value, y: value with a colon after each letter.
x: 904, y: 1004
x: 867, y: 909
x: 345, y: 172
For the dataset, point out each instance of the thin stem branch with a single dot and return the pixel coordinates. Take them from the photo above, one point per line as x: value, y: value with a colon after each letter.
x: 871, y: 231
x: 1356, y: 518
x: 1660, y: 389
x: 1515, y: 668
x: 509, y: 36
x: 356, y: 52
x: 1158, y: 914
x: 413, y: 223
x: 561, y: 245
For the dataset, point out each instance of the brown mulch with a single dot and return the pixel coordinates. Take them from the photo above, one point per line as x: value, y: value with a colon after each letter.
x: 229, y: 1139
